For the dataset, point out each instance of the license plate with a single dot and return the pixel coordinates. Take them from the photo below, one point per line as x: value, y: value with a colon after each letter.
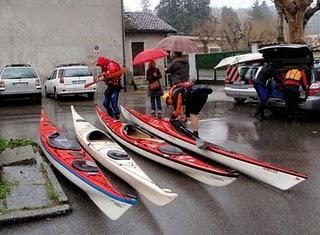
x: 239, y: 82
x: 240, y: 86
x: 79, y: 82
x: 20, y: 84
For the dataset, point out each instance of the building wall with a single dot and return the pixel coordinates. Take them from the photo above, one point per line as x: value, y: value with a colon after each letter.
x: 48, y: 32
x: 150, y: 41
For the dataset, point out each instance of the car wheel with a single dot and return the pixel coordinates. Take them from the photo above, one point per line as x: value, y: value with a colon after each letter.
x: 56, y: 95
x: 46, y: 92
x: 90, y: 95
x: 240, y: 100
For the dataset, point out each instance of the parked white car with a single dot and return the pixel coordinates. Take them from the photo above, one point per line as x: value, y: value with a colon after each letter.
x: 20, y: 80
x: 68, y: 79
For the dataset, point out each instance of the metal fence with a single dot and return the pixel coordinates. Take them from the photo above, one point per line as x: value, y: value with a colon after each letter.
x: 205, y: 64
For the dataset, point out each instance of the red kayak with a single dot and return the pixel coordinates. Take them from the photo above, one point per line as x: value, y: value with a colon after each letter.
x: 147, y: 145
x: 76, y: 165
x: 266, y: 172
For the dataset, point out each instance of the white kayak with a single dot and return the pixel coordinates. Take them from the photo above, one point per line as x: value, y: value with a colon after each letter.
x: 102, y: 148
x: 275, y: 176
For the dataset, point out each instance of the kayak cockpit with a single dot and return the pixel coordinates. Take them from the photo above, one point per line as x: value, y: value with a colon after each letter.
x: 60, y: 141
x: 85, y: 165
x: 97, y: 135
x: 135, y: 132
x: 170, y: 149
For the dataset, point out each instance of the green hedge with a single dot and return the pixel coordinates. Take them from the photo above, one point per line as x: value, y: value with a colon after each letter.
x: 209, y: 61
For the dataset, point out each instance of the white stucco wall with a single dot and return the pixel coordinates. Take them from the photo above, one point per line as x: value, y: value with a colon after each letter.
x: 150, y: 40
x: 49, y: 32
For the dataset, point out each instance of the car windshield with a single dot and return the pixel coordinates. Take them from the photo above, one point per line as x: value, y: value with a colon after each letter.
x: 16, y: 73
x: 77, y: 72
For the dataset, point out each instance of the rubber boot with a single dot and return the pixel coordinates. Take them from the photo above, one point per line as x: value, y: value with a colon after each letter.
x: 110, y: 112
x: 117, y: 116
x: 159, y: 114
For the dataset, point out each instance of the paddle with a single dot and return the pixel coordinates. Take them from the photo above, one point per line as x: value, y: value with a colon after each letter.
x: 114, y: 75
x: 200, y: 143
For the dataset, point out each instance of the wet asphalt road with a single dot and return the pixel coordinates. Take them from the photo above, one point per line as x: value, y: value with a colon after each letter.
x: 243, y: 207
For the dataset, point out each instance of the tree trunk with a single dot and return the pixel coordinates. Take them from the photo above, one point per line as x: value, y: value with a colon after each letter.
x: 280, y: 31
x: 294, y: 12
x: 295, y: 27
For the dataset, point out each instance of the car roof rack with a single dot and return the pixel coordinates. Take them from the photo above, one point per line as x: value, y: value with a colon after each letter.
x: 17, y: 65
x: 71, y: 64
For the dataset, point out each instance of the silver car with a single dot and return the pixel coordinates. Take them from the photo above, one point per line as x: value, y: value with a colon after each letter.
x: 288, y: 56
x: 20, y: 80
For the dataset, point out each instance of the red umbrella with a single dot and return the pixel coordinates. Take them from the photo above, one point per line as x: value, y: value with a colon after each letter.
x: 148, y: 55
x: 178, y: 43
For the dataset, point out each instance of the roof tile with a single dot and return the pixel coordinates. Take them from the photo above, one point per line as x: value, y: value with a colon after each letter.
x: 146, y: 23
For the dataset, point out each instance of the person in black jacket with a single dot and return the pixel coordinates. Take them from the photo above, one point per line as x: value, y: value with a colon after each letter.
x: 260, y: 84
x: 178, y: 70
x: 154, y: 88
x: 193, y: 97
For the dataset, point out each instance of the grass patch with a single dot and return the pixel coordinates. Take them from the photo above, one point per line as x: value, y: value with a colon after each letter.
x: 52, y: 193
x: 13, y: 143
x: 5, y: 186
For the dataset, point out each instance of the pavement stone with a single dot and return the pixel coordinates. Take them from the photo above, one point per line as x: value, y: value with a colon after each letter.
x: 23, y: 174
x: 18, y: 156
x: 28, y: 196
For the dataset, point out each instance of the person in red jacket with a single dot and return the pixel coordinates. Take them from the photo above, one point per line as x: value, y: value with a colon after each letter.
x: 111, y: 94
x: 293, y: 79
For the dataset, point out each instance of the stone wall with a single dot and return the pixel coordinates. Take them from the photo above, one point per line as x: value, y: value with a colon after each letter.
x: 45, y: 33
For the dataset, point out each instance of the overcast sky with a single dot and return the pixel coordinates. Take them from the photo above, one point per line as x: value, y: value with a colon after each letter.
x: 134, y: 5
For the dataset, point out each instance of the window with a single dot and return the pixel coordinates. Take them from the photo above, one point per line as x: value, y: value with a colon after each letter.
x: 54, y: 74
x: 16, y: 73
x: 214, y: 49
x: 137, y: 47
x: 77, y: 72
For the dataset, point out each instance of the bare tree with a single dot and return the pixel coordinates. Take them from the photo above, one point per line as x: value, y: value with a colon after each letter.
x: 297, y: 14
x: 231, y: 28
x: 207, y: 31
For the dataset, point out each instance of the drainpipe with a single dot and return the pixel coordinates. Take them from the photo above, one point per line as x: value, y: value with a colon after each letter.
x: 123, y: 46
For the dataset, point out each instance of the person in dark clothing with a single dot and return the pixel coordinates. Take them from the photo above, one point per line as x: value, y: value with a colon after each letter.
x: 260, y: 84
x: 293, y: 80
x: 154, y: 88
x: 193, y: 97
x: 178, y: 70
x: 111, y: 94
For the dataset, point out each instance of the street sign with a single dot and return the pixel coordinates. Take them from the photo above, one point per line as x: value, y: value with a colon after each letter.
x: 96, y: 50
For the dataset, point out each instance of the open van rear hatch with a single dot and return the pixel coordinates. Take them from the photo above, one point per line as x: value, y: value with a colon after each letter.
x: 288, y: 54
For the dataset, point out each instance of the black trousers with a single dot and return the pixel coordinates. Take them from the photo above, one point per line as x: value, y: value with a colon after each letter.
x: 291, y: 95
